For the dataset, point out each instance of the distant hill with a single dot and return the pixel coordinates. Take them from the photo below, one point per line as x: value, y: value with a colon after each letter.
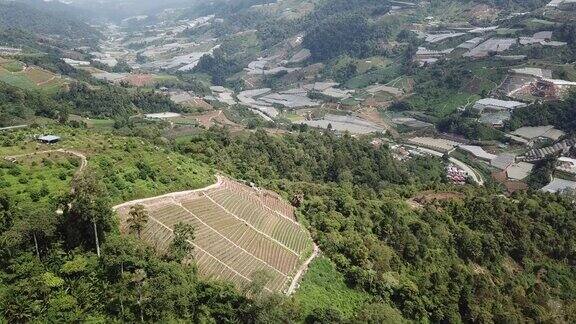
x: 118, y: 10
x: 44, y: 22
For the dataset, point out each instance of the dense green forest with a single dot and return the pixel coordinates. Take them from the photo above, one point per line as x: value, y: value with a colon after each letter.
x: 113, y: 101
x: 18, y: 106
x: 476, y: 257
x: 479, y: 257
x: 399, y: 242
x: 14, y: 15
x: 559, y: 113
x: 470, y: 128
x: 49, y: 272
x: 19, y: 38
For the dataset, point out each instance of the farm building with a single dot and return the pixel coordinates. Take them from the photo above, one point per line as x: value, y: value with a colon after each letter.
x: 562, y: 4
x: 495, y: 119
x: 76, y: 63
x: 478, y: 152
x: 497, y: 105
x: 533, y: 133
x: 493, y: 45
x: 543, y: 38
x: 437, y: 144
x: 537, y: 72
x: 562, y: 147
x: 503, y: 161
x: 350, y: 124
x: 164, y: 115
x: 511, y: 57
x: 482, y: 30
x: 436, y: 38
x: 519, y: 171
x: 425, y: 56
x: 49, y: 139
x: 567, y: 164
x: 559, y: 185
x: 412, y: 123
x: 517, y: 139
x: 456, y: 175
x: 471, y: 43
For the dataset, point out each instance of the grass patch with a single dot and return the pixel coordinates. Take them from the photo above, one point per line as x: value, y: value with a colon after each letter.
x: 13, y: 66
x: 17, y: 80
x: 32, y: 78
x: 292, y: 117
x: 372, y: 63
x: 444, y: 103
x: 324, y: 287
x: 383, y: 76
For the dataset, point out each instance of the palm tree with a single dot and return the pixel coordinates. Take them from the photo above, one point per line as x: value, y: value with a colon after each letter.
x: 137, y: 219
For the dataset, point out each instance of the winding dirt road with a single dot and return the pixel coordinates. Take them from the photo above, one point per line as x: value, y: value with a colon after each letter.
x: 82, y: 157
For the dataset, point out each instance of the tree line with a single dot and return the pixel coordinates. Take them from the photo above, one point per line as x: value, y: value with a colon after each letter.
x: 475, y: 257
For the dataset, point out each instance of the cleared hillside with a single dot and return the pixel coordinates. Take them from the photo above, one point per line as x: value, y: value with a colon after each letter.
x: 239, y: 231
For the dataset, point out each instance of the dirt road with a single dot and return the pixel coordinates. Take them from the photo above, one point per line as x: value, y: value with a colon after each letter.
x: 296, y: 281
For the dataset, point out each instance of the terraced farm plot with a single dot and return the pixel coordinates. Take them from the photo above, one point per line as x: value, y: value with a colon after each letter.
x: 18, y: 75
x: 239, y: 230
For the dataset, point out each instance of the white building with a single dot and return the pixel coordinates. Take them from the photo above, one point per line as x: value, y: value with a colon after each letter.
x: 497, y: 104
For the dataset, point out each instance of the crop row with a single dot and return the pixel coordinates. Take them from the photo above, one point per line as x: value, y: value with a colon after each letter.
x: 226, y: 252
x: 284, y: 230
x: 246, y: 237
x: 159, y: 237
x: 269, y: 199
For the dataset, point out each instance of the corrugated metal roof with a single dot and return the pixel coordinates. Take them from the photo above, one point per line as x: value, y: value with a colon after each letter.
x: 49, y: 138
x: 503, y: 161
x: 558, y: 185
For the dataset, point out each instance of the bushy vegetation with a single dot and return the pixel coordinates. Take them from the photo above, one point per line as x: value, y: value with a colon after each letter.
x: 560, y: 114
x: 218, y: 65
x: 15, y: 15
x: 18, y: 106
x: 349, y: 34
x: 469, y: 128
x: 438, y: 263
x: 114, y: 101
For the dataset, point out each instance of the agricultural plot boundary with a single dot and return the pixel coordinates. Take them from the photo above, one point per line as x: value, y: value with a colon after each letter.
x: 239, y: 231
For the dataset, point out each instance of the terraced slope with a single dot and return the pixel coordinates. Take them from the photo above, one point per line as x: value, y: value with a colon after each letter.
x: 239, y: 230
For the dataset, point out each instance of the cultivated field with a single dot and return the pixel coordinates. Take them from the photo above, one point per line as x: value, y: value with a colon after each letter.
x: 239, y: 230
x: 19, y: 75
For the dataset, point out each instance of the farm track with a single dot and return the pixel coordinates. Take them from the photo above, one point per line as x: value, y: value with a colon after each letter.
x: 82, y: 157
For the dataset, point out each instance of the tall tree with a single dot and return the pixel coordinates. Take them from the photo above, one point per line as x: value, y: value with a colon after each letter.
x: 90, y: 204
x: 181, y: 245
x: 137, y: 219
x: 32, y: 223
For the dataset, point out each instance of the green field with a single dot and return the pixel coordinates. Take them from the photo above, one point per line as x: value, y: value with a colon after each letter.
x: 32, y: 78
x: 381, y: 75
x: 13, y: 66
x: 130, y: 168
x: 324, y: 287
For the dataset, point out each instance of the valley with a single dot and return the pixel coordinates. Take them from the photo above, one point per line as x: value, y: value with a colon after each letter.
x: 294, y: 161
